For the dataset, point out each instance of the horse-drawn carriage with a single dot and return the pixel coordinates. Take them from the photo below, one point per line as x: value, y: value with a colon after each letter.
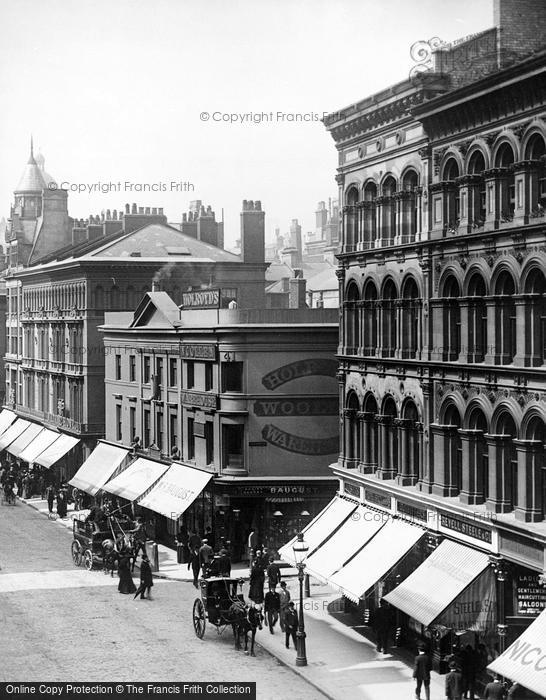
x: 87, y: 544
x: 222, y: 604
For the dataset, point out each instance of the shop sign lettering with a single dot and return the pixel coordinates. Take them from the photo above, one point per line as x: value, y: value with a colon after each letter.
x: 475, y: 608
x: 531, y: 596
x: 301, y: 368
x: 198, y: 352
x: 411, y: 511
x: 286, y: 490
x: 287, y: 407
x: 379, y: 499
x: 351, y: 490
x: 293, y: 443
x: 201, y: 299
x: 464, y: 528
x: 203, y: 400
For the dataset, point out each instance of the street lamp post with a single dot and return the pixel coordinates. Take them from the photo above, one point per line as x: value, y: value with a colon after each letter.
x: 300, y: 552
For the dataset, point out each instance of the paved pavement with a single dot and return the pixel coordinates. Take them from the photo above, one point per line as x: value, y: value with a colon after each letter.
x: 342, y: 660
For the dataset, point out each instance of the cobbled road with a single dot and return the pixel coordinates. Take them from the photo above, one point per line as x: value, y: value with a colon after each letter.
x: 63, y: 623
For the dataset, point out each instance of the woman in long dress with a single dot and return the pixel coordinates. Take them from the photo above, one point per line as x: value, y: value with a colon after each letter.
x: 126, y: 584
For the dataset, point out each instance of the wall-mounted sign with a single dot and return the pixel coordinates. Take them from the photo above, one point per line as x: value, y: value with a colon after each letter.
x: 411, y: 511
x: 201, y: 299
x: 278, y: 490
x: 351, y: 490
x: 465, y: 528
x: 301, y: 368
x: 377, y: 498
x: 530, y: 595
x: 294, y: 443
x: 198, y: 352
x: 290, y: 406
x: 521, y: 547
x: 194, y: 398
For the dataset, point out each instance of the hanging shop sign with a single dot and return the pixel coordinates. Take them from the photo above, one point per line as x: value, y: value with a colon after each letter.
x: 463, y: 527
x: 475, y: 609
x: 530, y: 595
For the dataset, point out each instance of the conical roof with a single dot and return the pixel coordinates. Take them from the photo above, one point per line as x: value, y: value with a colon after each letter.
x: 32, y: 179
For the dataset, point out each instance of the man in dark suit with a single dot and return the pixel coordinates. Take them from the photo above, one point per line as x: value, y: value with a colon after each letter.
x: 290, y: 624
x: 195, y: 565
x: 146, y: 578
x: 272, y: 607
x: 454, y: 682
x: 382, y: 623
x: 422, y: 667
x: 494, y: 690
x: 273, y: 573
x: 206, y: 554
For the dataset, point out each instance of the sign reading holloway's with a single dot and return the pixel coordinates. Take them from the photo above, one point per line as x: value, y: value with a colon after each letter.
x: 176, y: 490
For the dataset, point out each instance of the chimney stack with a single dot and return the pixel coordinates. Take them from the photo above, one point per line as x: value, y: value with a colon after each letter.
x: 252, y: 232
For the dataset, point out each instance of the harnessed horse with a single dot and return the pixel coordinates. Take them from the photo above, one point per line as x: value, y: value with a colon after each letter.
x: 246, y: 620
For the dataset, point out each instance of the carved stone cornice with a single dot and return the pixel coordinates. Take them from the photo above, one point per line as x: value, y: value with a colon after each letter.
x: 443, y: 186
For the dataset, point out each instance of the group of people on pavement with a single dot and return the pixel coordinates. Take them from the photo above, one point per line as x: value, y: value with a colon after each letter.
x: 460, y: 680
x: 201, y: 555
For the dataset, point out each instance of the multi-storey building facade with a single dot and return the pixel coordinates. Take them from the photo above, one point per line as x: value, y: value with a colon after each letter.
x: 442, y: 280
x: 55, y: 359
x: 248, y: 395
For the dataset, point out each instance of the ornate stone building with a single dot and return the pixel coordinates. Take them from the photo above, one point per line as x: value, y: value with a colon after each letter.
x: 441, y: 273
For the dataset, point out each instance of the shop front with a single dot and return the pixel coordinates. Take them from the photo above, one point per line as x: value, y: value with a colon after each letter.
x: 275, y: 509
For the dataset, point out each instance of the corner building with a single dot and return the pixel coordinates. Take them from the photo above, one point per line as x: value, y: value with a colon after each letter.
x: 442, y: 262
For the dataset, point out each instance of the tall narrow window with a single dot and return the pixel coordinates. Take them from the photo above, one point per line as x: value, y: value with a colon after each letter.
x: 146, y: 427
x: 132, y: 368
x: 119, y: 427
x: 146, y: 369
x: 232, y: 376
x: 209, y: 442
x: 191, y: 439
x: 190, y: 375
x: 132, y: 423
x: 173, y: 372
x: 118, y: 366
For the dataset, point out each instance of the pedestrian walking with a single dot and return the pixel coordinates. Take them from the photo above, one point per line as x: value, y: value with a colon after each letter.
x: 273, y: 572
x: 50, y: 495
x: 470, y: 663
x: 194, y: 563
x: 494, y: 690
x: 139, y: 538
x: 422, y: 667
x: 290, y: 625
x: 272, y: 608
x: 256, y: 581
x: 61, y: 503
x: 252, y: 543
x: 126, y: 583
x: 146, y: 578
x: 516, y: 692
x: 284, y: 599
x: 206, y: 554
x: 454, y: 682
x: 382, y: 624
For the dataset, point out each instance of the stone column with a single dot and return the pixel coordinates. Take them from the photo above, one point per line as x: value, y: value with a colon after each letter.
x: 471, y: 491
x: 529, y: 507
x: 340, y: 274
x: 351, y: 440
x: 500, y: 477
x: 526, y: 190
x: 379, y: 319
x: 340, y: 375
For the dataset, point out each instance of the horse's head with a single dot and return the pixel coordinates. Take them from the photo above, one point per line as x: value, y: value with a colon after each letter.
x: 255, y: 617
x: 108, y: 545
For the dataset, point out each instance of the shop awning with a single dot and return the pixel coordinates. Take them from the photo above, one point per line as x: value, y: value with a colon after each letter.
x: 525, y: 660
x: 355, y: 532
x: 430, y: 589
x: 13, y: 432
x: 321, y: 527
x: 99, y: 467
x: 392, y: 542
x: 6, y: 419
x: 57, y: 449
x: 42, y: 441
x: 176, y: 490
x: 24, y: 439
x: 136, y: 479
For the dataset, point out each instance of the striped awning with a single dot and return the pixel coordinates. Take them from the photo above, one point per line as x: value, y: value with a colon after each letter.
x: 57, y: 450
x: 321, y: 527
x: 99, y: 467
x: 24, y: 439
x: 134, y: 481
x: 6, y: 419
x: 434, y: 585
x: 392, y: 542
x: 176, y: 490
x: 355, y: 532
x: 13, y: 432
x: 41, y: 442
x: 525, y: 660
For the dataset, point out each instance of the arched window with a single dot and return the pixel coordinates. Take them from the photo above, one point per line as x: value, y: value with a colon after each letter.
x: 371, y: 445
x: 535, y: 318
x: 452, y: 209
x: 453, y: 449
x: 389, y: 319
x: 478, y: 423
x: 412, y: 452
x: 351, y: 219
x: 352, y: 449
x: 389, y: 443
x: 536, y: 431
x: 507, y: 426
x: 388, y: 210
x: 477, y: 319
x: 505, y: 318
x: 409, y: 206
x: 370, y: 319
x: 411, y: 311
x: 452, y: 320
x: 535, y: 150
x: 370, y: 220
x: 507, y: 191
x: 352, y: 324
x: 476, y: 191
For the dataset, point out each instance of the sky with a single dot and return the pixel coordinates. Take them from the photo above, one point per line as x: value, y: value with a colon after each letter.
x: 133, y: 93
